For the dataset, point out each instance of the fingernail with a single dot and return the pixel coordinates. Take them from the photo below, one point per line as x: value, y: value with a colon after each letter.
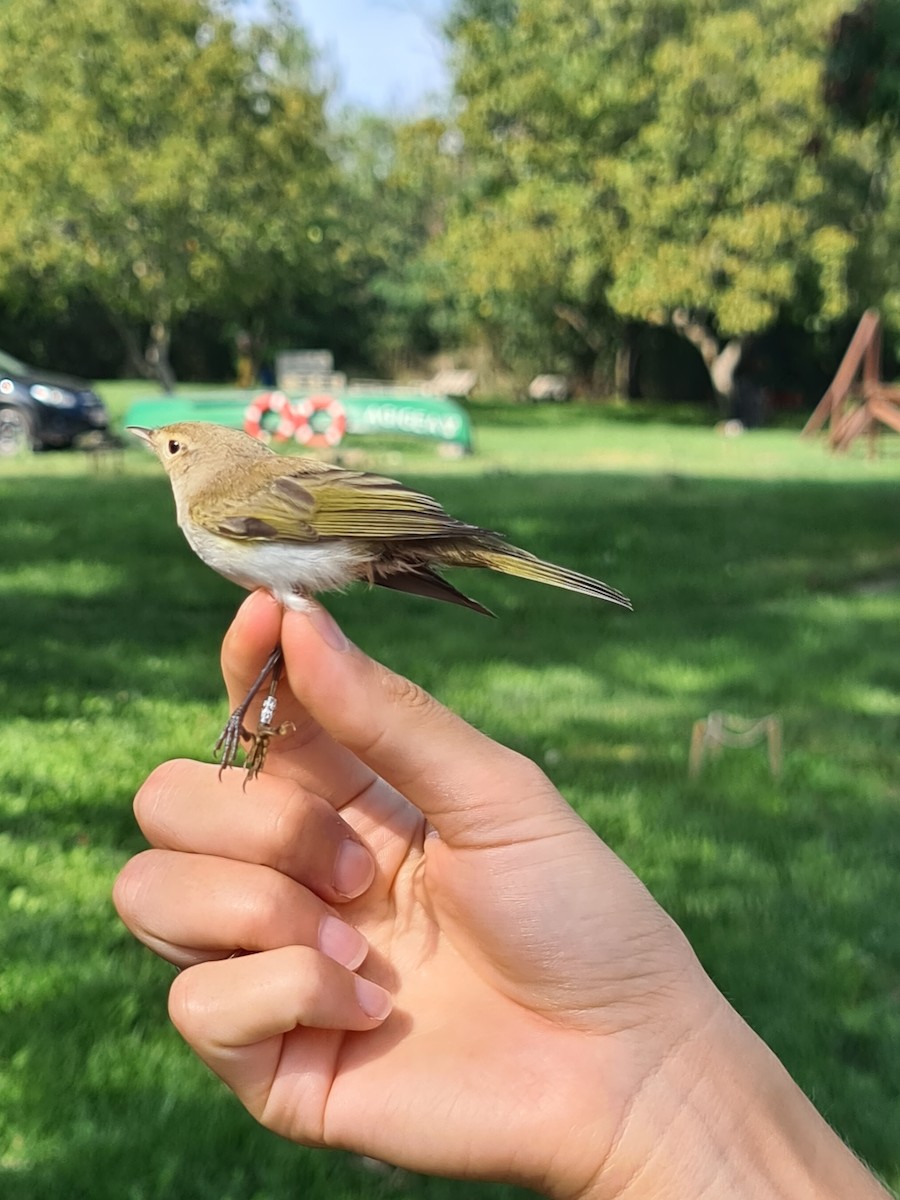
x: 342, y: 942
x: 354, y: 869
x: 373, y: 1000
x: 327, y: 628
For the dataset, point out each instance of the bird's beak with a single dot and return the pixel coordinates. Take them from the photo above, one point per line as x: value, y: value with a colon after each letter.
x: 141, y: 434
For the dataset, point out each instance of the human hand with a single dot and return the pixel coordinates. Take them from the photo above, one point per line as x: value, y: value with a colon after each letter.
x: 548, y: 1020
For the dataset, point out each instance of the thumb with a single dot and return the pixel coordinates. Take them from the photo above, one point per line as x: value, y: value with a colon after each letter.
x: 472, y: 790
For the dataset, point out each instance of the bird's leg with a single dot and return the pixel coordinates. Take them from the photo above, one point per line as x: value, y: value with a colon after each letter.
x: 265, y: 730
x: 230, y: 737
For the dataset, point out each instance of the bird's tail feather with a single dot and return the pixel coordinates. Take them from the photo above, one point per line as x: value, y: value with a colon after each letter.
x: 425, y: 582
x: 512, y: 561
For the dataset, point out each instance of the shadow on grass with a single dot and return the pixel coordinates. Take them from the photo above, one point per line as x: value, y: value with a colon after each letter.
x: 126, y: 1110
x: 575, y: 414
x: 750, y: 596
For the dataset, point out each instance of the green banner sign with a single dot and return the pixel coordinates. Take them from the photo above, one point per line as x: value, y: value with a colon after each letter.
x: 422, y: 416
x: 365, y: 412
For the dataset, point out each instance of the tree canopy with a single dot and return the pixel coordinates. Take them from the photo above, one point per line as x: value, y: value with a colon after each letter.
x: 683, y: 168
x: 713, y: 167
x: 156, y: 156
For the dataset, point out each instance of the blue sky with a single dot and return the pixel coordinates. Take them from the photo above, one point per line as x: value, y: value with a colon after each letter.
x: 386, y: 54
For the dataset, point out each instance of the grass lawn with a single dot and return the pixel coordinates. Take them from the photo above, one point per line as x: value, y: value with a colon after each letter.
x: 766, y: 579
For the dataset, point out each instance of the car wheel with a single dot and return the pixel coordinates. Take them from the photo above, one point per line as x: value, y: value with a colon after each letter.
x: 15, y: 432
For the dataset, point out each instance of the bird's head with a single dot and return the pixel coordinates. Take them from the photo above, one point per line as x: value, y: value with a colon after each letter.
x: 203, y: 452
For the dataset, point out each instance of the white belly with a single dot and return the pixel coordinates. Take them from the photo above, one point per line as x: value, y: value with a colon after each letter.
x: 291, y: 572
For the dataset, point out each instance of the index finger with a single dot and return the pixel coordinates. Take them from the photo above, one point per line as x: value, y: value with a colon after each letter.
x: 308, y: 756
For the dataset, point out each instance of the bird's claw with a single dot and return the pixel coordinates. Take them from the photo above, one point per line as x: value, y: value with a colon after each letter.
x: 236, y: 731
x: 259, y: 745
x: 230, y: 740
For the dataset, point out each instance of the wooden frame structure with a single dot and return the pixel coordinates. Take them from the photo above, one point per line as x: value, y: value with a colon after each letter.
x: 723, y: 729
x: 851, y: 406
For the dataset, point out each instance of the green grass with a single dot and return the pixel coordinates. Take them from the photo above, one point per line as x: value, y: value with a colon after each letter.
x: 766, y: 578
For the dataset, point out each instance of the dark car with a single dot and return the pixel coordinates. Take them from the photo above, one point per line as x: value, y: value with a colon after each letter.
x: 38, y: 408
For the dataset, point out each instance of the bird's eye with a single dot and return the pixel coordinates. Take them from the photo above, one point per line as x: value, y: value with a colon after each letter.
x: 174, y: 446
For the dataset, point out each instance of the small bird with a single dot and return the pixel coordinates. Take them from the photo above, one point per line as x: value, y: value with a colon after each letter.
x: 299, y: 526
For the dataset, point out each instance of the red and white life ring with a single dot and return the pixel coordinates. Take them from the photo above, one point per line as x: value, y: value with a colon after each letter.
x: 332, y: 434
x: 271, y: 402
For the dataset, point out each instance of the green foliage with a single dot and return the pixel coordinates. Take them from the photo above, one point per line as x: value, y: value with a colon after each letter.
x: 156, y: 156
x: 683, y: 161
x: 862, y: 88
x: 862, y: 76
x: 171, y: 166
x: 726, y: 203
x: 397, y: 178
x: 765, y: 579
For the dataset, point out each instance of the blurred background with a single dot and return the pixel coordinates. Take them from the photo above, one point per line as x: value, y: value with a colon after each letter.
x: 674, y: 213
x: 611, y: 192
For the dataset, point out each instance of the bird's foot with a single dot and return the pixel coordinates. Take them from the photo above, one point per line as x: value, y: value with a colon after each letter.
x: 236, y: 731
x: 259, y: 745
x: 265, y: 730
x: 230, y: 740
x: 255, y: 755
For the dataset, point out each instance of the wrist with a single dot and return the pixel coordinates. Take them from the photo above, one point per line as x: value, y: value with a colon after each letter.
x: 722, y: 1118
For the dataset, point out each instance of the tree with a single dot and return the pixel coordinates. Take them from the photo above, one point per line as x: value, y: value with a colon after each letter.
x: 862, y: 89
x: 397, y: 178
x: 682, y: 169
x: 737, y: 196
x: 159, y: 157
x: 526, y: 244
x: 862, y: 72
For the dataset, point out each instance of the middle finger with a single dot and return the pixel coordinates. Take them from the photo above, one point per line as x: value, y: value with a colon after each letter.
x: 191, y: 908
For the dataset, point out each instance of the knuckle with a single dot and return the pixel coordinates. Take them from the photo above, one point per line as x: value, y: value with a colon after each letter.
x: 406, y: 694
x: 399, y: 693
x: 528, y: 775
x: 287, y: 820
x: 310, y: 973
x: 302, y: 833
x: 263, y: 914
x: 517, y: 775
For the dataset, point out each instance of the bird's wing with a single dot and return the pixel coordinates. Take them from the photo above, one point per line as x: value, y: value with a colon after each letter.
x: 335, y: 503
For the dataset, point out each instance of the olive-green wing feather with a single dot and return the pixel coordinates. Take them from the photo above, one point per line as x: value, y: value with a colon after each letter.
x: 335, y: 503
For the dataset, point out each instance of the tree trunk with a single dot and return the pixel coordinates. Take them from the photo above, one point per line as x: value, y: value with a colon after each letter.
x: 598, y: 340
x: 723, y: 368
x: 153, y: 361
x: 722, y: 362
x: 581, y: 325
x: 135, y: 362
x: 626, y: 364
x: 157, y: 356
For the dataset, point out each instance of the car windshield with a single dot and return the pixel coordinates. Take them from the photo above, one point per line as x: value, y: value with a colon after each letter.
x: 12, y: 365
